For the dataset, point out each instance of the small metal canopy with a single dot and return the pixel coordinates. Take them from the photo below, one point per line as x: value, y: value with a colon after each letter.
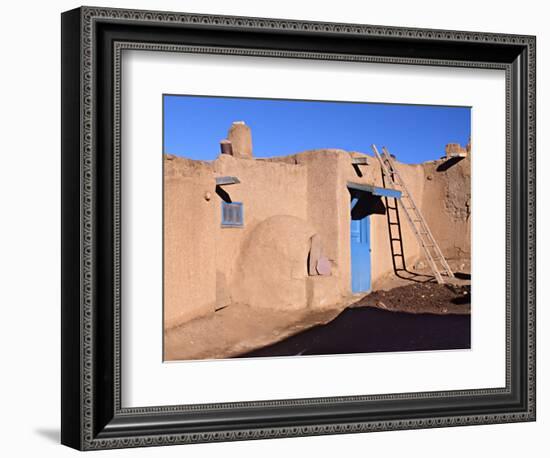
x: 223, y: 181
x: 386, y: 192
x: 361, y: 160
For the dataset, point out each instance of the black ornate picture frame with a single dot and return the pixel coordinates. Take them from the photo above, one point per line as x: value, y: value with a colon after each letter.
x: 92, y: 42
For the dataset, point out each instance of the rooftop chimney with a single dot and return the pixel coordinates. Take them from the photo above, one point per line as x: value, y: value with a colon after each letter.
x: 241, y: 139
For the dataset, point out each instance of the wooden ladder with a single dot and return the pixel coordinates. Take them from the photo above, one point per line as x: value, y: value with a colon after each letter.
x: 434, y: 256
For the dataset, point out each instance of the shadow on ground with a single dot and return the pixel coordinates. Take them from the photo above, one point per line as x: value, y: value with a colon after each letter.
x: 366, y: 330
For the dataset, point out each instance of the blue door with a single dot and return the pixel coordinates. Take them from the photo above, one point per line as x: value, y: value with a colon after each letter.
x: 360, y: 253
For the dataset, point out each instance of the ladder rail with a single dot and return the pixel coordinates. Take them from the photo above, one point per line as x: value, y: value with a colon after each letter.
x: 427, y: 253
x: 424, y: 225
x: 389, y: 170
x: 421, y: 217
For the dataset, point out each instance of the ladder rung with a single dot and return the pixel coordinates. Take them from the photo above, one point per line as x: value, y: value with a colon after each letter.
x: 419, y: 226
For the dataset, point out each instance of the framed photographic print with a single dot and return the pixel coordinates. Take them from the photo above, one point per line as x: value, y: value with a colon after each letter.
x: 277, y: 228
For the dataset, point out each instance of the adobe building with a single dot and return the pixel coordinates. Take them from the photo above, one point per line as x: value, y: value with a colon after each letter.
x: 291, y: 233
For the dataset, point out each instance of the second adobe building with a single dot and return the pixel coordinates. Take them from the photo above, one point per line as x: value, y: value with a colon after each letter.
x: 307, y: 230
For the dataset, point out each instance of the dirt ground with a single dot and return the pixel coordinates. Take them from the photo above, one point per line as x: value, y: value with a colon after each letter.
x: 240, y: 329
x: 421, y: 298
x: 416, y: 291
x: 370, y: 329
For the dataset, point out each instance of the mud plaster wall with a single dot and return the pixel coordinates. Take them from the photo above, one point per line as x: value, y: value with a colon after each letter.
x: 443, y: 197
x: 271, y: 266
x: 329, y: 172
x: 189, y: 270
x: 266, y: 189
x: 324, y: 203
x: 328, y: 213
x: 447, y: 206
x: 309, y: 188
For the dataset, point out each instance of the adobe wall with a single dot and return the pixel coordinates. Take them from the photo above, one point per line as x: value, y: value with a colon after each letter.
x: 287, y: 200
x: 266, y: 189
x: 188, y: 246
x: 325, y: 205
x: 441, y: 190
x: 201, y: 257
x: 329, y: 171
x: 447, y: 205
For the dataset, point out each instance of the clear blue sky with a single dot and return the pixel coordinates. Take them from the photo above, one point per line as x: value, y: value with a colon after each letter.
x: 193, y: 126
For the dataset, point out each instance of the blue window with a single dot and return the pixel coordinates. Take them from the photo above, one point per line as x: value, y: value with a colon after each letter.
x: 232, y: 214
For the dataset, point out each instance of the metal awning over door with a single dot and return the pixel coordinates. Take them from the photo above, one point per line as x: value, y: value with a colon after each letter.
x: 383, y: 192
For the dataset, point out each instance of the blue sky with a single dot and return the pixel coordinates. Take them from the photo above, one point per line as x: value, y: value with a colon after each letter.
x: 193, y: 126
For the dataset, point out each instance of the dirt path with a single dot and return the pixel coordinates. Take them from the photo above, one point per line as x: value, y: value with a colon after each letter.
x: 432, y: 298
x: 238, y: 329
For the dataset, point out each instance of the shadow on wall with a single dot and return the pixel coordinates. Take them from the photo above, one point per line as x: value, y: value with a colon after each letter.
x: 397, y: 246
x: 223, y: 194
x: 463, y: 276
x: 448, y: 164
x: 367, y: 204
